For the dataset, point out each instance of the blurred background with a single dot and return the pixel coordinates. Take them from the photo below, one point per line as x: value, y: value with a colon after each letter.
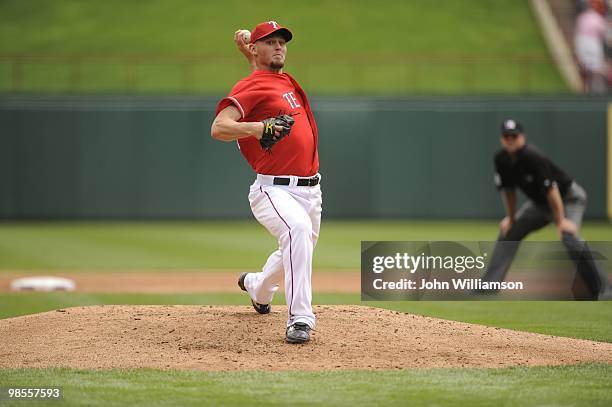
x: 106, y: 106
x: 106, y: 159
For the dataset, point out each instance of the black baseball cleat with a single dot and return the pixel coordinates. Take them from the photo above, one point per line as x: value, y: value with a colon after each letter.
x: 298, y: 333
x: 261, y: 308
x: 241, y: 281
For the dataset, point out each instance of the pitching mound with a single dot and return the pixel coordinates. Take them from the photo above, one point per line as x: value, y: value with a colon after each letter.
x: 236, y: 338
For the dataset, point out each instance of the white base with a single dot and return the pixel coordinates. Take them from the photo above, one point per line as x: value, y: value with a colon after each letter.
x: 39, y: 283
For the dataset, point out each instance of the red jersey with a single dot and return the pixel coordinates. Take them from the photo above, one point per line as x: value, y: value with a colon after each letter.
x: 266, y: 94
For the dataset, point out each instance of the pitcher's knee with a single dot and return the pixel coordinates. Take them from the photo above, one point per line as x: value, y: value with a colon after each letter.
x: 301, y: 228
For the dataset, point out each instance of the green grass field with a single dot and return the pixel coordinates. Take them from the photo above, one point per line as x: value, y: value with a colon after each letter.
x: 587, y: 385
x: 165, y: 246
x: 218, y: 244
x: 363, y: 48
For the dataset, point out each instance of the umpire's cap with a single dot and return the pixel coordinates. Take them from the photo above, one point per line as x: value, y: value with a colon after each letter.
x: 511, y: 126
x: 269, y: 27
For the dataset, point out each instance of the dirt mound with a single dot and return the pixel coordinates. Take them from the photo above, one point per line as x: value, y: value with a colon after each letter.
x: 236, y: 338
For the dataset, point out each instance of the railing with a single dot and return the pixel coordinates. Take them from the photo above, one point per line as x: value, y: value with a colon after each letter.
x: 350, y: 74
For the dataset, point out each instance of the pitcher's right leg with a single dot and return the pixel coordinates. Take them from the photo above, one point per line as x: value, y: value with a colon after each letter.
x: 262, y: 286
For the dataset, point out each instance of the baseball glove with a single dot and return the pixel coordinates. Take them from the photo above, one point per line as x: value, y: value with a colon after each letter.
x: 269, y: 137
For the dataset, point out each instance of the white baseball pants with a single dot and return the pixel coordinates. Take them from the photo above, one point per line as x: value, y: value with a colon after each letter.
x: 293, y: 215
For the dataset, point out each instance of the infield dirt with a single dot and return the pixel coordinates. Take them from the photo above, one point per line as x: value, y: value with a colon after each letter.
x: 130, y: 281
x: 237, y: 338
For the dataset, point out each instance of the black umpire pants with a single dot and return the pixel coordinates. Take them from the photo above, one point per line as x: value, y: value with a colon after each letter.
x: 531, y: 217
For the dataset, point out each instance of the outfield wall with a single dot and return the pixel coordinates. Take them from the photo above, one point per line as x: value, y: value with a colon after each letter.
x: 152, y: 157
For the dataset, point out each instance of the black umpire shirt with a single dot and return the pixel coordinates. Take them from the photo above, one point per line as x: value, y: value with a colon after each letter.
x: 532, y: 171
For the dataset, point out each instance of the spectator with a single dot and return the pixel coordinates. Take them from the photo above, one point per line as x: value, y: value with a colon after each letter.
x: 608, y: 43
x: 589, y: 44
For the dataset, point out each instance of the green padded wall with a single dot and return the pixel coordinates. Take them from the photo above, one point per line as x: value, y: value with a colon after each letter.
x: 152, y: 157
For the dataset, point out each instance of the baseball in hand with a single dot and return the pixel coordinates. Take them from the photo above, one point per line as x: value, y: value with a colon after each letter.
x: 246, y: 36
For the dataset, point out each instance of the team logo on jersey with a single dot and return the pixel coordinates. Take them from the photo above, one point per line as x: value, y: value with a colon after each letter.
x: 274, y: 24
x: 291, y: 99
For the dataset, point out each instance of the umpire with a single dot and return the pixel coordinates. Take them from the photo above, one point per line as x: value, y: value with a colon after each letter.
x: 553, y: 196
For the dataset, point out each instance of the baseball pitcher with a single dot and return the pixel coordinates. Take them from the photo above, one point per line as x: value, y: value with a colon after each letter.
x: 269, y: 115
